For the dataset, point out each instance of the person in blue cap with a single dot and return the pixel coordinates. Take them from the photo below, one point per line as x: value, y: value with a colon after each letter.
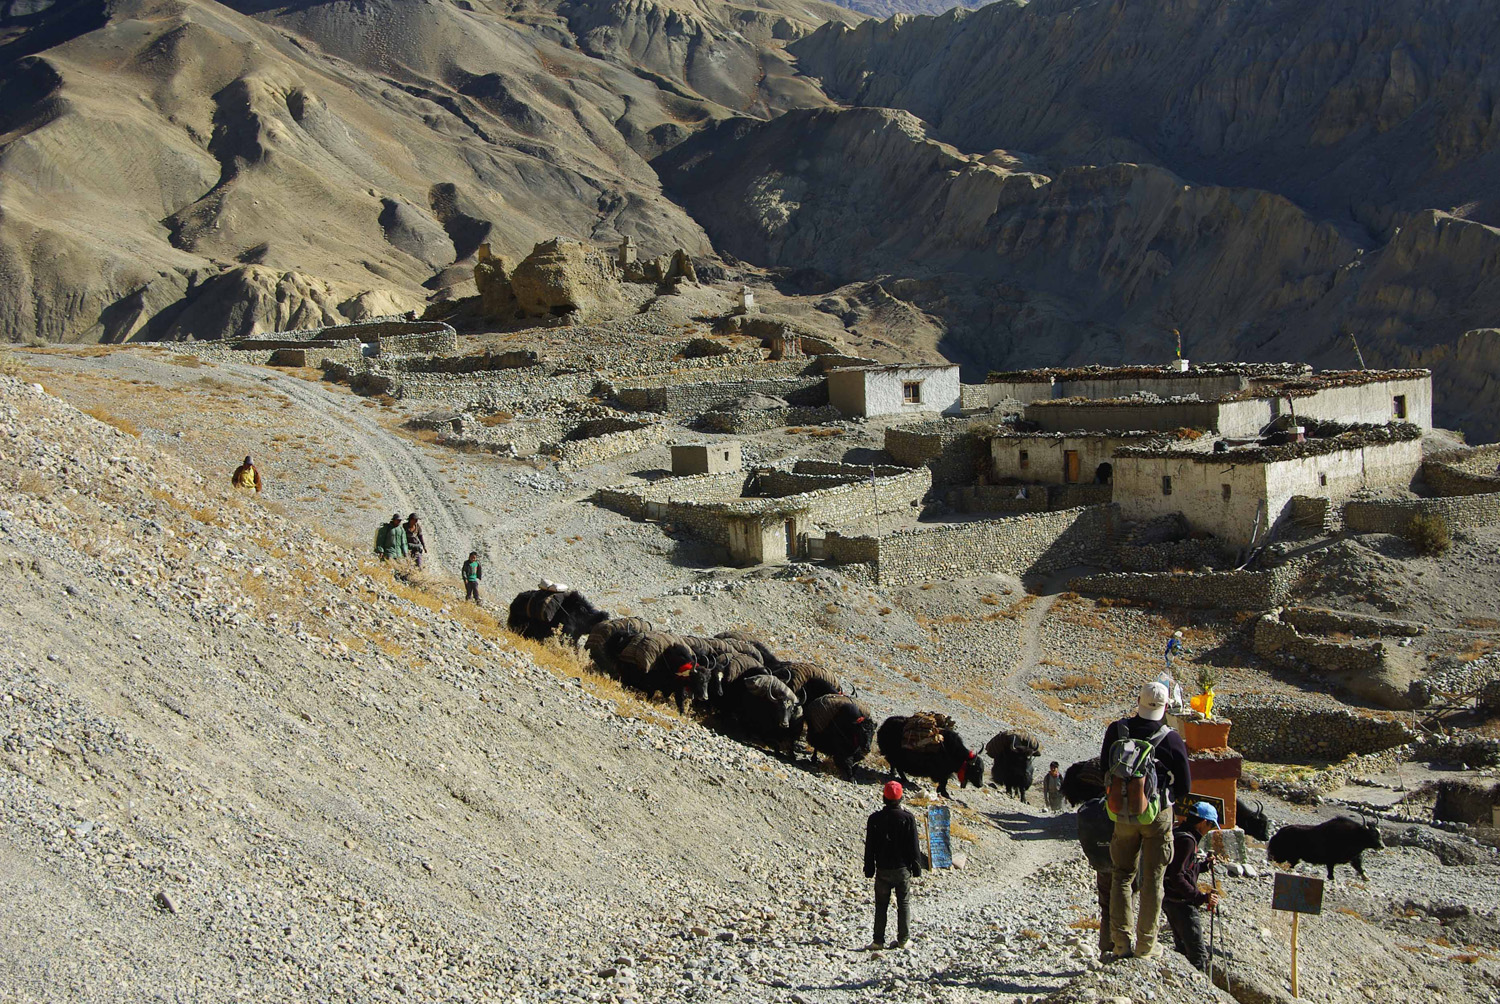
x: 1181, y: 898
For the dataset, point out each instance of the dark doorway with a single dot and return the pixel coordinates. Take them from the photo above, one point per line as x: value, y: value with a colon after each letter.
x: 1104, y: 474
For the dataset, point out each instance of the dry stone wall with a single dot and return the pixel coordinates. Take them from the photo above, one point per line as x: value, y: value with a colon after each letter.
x: 1273, y: 638
x: 1273, y: 729
x: 596, y: 449
x: 1316, y: 620
x: 742, y: 421
x: 1393, y: 516
x: 1463, y: 472
x: 1459, y: 680
x: 697, y: 398
x: 953, y: 453
x: 1019, y: 545
x: 1028, y: 498
x: 1232, y: 590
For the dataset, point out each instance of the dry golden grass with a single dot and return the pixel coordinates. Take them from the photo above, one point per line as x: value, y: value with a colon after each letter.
x: 1476, y: 648
x: 1085, y: 924
x: 498, y: 418
x: 10, y: 364
x: 125, y: 425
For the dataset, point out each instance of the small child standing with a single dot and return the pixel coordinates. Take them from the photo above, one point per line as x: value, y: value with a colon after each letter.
x: 1052, y: 788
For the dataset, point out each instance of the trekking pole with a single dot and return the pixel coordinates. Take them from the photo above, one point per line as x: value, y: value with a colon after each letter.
x: 1213, y: 916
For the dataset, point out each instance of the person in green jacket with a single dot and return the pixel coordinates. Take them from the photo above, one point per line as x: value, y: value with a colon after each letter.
x: 390, y: 539
x: 472, y: 572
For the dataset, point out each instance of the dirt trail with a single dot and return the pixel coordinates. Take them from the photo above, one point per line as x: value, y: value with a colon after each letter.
x: 408, y: 474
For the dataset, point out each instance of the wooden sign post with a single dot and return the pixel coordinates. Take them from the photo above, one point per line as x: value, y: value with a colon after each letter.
x: 1297, y: 894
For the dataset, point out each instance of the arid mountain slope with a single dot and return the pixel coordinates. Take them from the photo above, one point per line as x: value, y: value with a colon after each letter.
x: 1029, y: 264
x: 1360, y: 110
x: 175, y: 167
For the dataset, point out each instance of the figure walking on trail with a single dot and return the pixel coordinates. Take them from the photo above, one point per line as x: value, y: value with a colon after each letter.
x: 246, y: 477
x: 1174, y: 648
x: 892, y: 859
x: 416, y: 546
x: 472, y: 573
x: 390, y: 539
x: 1145, y: 764
x: 1052, y: 788
x: 1182, y: 901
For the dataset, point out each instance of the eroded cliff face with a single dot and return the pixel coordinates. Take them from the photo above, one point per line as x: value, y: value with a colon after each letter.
x: 1026, y: 266
x: 1353, y: 110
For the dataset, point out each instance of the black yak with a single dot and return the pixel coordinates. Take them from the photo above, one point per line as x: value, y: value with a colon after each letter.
x: 768, y: 709
x: 655, y: 662
x: 540, y: 613
x: 938, y: 763
x: 1339, y: 841
x: 842, y: 729
x: 1012, y: 753
x: 1252, y: 821
x: 1083, y: 781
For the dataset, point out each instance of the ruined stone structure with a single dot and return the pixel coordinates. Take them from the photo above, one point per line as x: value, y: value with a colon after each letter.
x: 768, y: 515
x: 570, y: 281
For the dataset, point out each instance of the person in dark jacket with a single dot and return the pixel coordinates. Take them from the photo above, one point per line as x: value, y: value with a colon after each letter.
x: 1181, y: 898
x: 891, y: 859
x: 1095, y: 831
x: 472, y: 573
x: 416, y: 544
x: 1147, y: 845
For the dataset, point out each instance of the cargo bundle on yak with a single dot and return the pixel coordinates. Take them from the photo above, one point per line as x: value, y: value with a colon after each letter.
x: 609, y: 638
x: 926, y: 745
x: 1012, y: 753
x: 540, y: 613
x: 659, y: 663
x: 1337, y: 841
x: 841, y: 728
x: 1083, y: 782
x: 810, y: 681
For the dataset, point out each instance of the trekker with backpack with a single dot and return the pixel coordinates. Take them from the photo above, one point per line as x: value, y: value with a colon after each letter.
x: 892, y: 857
x: 1145, y: 766
x: 1182, y: 898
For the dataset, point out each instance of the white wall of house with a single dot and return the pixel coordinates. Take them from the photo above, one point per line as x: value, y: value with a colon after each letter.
x: 1374, y: 403
x: 1257, y: 494
x: 882, y: 390
x: 1197, y: 491
x: 1024, y: 391
x: 1046, y: 457
x: 1205, y: 385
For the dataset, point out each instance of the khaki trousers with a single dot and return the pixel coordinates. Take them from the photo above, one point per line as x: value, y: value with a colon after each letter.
x: 1153, y: 843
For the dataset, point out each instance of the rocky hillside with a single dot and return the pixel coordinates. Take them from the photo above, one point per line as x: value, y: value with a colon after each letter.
x: 1027, y: 260
x: 176, y: 167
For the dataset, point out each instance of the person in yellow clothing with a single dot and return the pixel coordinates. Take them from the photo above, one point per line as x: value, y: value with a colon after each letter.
x: 246, y: 477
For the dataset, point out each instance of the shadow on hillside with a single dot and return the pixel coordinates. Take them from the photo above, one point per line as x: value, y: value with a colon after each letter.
x: 1022, y: 825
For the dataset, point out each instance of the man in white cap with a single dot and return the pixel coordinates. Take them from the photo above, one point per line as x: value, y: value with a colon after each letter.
x: 1145, y: 765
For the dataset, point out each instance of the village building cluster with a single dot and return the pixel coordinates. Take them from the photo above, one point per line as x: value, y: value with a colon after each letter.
x: 1200, y: 465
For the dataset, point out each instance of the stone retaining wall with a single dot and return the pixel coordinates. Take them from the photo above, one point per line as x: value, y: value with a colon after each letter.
x: 1463, y: 472
x: 1316, y: 620
x: 949, y: 449
x: 416, y: 338
x: 1232, y: 590
x: 1489, y: 696
x: 347, y: 353
x: 596, y: 449
x: 1393, y: 516
x: 697, y: 398
x: 1458, y: 680
x: 751, y: 420
x: 1274, y: 729
x: 1273, y: 638
x: 1018, y: 545
x: 706, y: 369
x: 1028, y: 498
x: 1168, y: 556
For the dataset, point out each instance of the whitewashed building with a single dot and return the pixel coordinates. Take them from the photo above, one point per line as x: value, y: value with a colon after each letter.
x: 906, y: 388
